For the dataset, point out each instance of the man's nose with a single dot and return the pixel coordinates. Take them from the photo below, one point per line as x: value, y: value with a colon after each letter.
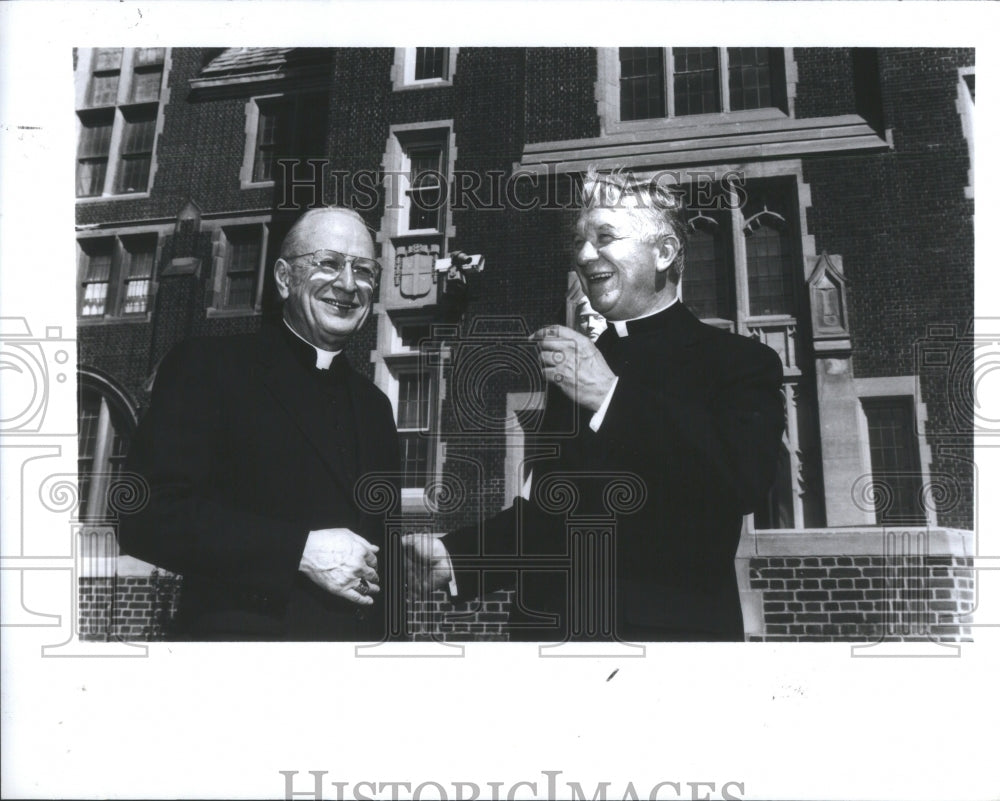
x: 346, y: 278
x: 587, y: 253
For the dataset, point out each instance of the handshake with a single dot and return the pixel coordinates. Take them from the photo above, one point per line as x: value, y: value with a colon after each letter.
x: 344, y: 563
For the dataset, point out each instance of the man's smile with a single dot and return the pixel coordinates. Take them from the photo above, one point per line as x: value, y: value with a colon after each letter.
x: 345, y: 304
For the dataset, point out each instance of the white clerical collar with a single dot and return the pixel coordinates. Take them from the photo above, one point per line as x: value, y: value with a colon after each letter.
x: 621, y: 326
x: 324, y: 358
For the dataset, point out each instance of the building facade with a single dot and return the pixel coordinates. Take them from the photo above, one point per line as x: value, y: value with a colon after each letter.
x: 830, y: 215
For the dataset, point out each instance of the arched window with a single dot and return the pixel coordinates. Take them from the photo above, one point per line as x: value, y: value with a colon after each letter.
x: 106, y: 424
x: 707, y: 282
x: 769, y: 264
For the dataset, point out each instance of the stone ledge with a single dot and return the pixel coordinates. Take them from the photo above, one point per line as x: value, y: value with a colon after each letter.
x: 856, y: 542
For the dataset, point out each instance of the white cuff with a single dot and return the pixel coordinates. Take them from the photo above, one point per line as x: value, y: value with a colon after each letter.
x: 598, y: 418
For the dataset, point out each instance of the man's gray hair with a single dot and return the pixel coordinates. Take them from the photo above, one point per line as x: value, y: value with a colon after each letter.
x: 292, y: 245
x: 657, y: 210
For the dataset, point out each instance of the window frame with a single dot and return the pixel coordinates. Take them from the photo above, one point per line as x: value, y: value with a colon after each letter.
x: 608, y: 96
x: 396, y: 358
x: 291, y: 105
x: 221, y: 261
x: 887, y: 388
x: 113, y: 403
x: 119, y: 111
x: 116, y: 297
x: 403, y: 70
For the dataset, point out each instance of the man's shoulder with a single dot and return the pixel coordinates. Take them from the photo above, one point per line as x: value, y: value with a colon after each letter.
x: 736, y: 347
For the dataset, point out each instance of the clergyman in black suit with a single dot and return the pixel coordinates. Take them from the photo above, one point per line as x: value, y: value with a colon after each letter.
x: 252, y: 448
x: 693, y: 413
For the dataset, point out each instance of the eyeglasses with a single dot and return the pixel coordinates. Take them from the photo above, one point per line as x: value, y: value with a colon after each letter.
x: 333, y: 262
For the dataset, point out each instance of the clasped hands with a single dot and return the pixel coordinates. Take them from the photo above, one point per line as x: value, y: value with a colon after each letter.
x: 574, y: 364
x: 345, y: 564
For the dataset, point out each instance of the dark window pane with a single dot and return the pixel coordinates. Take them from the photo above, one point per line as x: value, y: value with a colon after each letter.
x: 242, y: 262
x: 432, y: 62
x: 90, y: 175
x: 427, y: 188
x: 148, y: 56
x: 895, y: 465
x: 97, y: 255
x: 414, y: 448
x: 139, y: 131
x: 696, y: 81
x: 272, y: 128
x: 95, y: 134
x: 756, y: 78
x: 133, y: 175
x: 642, y: 85
x: 139, y: 253
x: 107, y: 58
x: 770, y: 268
x: 414, y: 401
x: 88, y: 411
x: 103, y: 89
x: 146, y: 85
x: 708, y: 276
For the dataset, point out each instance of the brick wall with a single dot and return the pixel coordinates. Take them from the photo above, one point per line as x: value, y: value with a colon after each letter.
x: 803, y: 599
x: 835, y: 598
x: 126, y: 607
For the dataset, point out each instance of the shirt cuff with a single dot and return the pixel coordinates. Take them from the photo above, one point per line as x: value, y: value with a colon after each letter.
x: 598, y: 418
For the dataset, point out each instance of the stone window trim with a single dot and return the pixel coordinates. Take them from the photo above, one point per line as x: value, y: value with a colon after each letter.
x: 252, y: 121
x: 124, y: 101
x: 607, y: 93
x: 396, y: 163
x: 403, y: 64
x: 906, y: 386
x: 220, y: 251
x: 116, y: 417
x: 394, y: 357
x: 965, y: 103
x: 114, y: 314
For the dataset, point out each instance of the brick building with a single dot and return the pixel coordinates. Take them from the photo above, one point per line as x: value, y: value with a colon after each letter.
x: 830, y: 197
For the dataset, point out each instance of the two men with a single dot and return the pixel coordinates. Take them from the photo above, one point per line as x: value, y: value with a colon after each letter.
x: 252, y: 452
x: 692, y: 413
x: 252, y: 447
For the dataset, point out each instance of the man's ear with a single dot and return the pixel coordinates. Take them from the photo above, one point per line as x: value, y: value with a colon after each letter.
x: 667, y: 248
x: 283, y: 277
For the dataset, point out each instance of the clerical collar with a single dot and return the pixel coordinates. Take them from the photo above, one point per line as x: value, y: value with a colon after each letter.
x: 324, y: 358
x: 621, y: 326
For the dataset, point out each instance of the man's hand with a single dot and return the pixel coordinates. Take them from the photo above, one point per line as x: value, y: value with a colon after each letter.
x: 428, y: 566
x: 342, y: 563
x: 575, y: 365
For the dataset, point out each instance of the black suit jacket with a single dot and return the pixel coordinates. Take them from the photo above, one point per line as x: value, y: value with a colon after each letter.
x: 246, y: 447
x: 697, y: 416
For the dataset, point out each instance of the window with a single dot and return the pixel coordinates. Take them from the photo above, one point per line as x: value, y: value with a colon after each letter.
x: 116, y: 274
x: 740, y: 260
x: 242, y: 265
x: 413, y: 415
x: 272, y: 124
x: 138, y: 135
x: 423, y: 67
x: 743, y: 245
x: 430, y: 63
x: 409, y: 371
x: 427, y: 191
x: 105, y: 426
x: 895, y: 460
x: 659, y: 82
x: 118, y: 104
x: 240, y: 253
x: 283, y: 127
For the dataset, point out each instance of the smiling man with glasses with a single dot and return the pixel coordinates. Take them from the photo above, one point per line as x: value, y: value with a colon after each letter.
x: 252, y: 447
